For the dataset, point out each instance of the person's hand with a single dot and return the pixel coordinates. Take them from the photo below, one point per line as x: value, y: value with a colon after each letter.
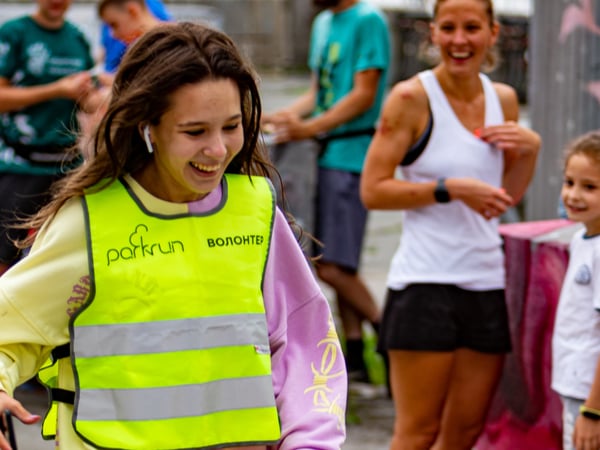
x: 17, y: 410
x: 272, y: 125
x: 484, y: 199
x: 96, y: 101
x: 512, y: 138
x: 280, y: 117
x: 75, y: 86
x: 287, y: 126
x: 586, y: 435
x: 104, y: 79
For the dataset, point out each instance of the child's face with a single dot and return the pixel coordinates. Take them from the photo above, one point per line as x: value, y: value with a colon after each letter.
x: 123, y: 24
x: 581, y: 192
x: 195, y: 141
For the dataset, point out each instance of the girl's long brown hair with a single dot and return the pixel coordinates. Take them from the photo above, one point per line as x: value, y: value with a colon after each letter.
x: 160, y: 62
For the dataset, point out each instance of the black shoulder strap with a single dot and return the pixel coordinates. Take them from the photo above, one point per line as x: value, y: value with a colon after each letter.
x: 57, y: 394
x: 62, y: 351
x: 62, y: 395
x: 415, y: 151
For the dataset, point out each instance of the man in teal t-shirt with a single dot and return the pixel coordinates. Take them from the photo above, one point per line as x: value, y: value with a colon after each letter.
x: 44, y: 79
x: 349, y: 59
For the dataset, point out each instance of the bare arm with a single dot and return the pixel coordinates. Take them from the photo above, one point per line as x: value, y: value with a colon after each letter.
x: 396, y: 132
x: 13, y: 98
x: 356, y: 102
x: 404, y: 118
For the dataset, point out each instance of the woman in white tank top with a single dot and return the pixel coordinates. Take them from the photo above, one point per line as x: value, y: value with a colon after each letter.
x: 464, y: 160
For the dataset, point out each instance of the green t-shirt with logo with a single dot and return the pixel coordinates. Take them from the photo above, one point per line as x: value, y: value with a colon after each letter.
x: 31, y: 55
x: 343, y: 44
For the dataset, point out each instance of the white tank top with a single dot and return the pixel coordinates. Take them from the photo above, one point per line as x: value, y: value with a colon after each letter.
x: 448, y: 242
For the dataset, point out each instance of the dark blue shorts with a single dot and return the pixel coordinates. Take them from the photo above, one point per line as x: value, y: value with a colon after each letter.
x: 440, y: 317
x: 341, y: 218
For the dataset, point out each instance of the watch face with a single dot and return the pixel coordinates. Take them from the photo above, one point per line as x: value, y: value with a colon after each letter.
x: 441, y: 193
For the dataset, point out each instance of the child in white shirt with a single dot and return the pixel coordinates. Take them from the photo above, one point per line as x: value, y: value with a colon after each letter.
x: 576, y: 339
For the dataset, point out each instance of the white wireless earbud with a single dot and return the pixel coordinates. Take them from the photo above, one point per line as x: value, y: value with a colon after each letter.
x: 147, y: 139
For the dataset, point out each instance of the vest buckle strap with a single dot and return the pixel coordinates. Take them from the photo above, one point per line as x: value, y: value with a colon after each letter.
x: 62, y: 395
x: 62, y: 351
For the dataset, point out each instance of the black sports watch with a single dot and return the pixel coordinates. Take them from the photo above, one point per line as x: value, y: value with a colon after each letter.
x: 440, y: 193
x: 589, y: 413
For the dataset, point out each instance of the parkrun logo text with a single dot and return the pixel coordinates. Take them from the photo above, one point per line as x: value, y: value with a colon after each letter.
x: 139, y: 248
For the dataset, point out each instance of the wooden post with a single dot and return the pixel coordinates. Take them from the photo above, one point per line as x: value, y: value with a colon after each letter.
x: 564, y: 90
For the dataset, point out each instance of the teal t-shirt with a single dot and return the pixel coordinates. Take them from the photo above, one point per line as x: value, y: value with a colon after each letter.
x: 31, y: 55
x: 341, y: 45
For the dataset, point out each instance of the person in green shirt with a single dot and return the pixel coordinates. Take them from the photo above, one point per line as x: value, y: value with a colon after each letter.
x: 45, y: 79
x: 349, y: 57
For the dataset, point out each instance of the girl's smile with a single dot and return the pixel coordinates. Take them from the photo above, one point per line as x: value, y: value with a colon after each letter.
x: 195, y: 141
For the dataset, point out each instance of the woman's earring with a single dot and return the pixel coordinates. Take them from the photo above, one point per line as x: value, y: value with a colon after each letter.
x: 147, y: 139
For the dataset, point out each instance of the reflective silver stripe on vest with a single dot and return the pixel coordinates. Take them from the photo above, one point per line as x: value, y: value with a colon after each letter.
x: 177, y: 401
x: 170, y: 335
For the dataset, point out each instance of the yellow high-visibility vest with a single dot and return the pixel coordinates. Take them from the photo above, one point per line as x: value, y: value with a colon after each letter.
x: 171, y: 351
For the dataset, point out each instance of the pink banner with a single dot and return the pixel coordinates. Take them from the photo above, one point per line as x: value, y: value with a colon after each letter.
x: 526, y: 413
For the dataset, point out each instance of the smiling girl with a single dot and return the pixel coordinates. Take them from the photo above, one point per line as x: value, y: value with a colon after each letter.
x: 170, y: 291
x: 464, y: 161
